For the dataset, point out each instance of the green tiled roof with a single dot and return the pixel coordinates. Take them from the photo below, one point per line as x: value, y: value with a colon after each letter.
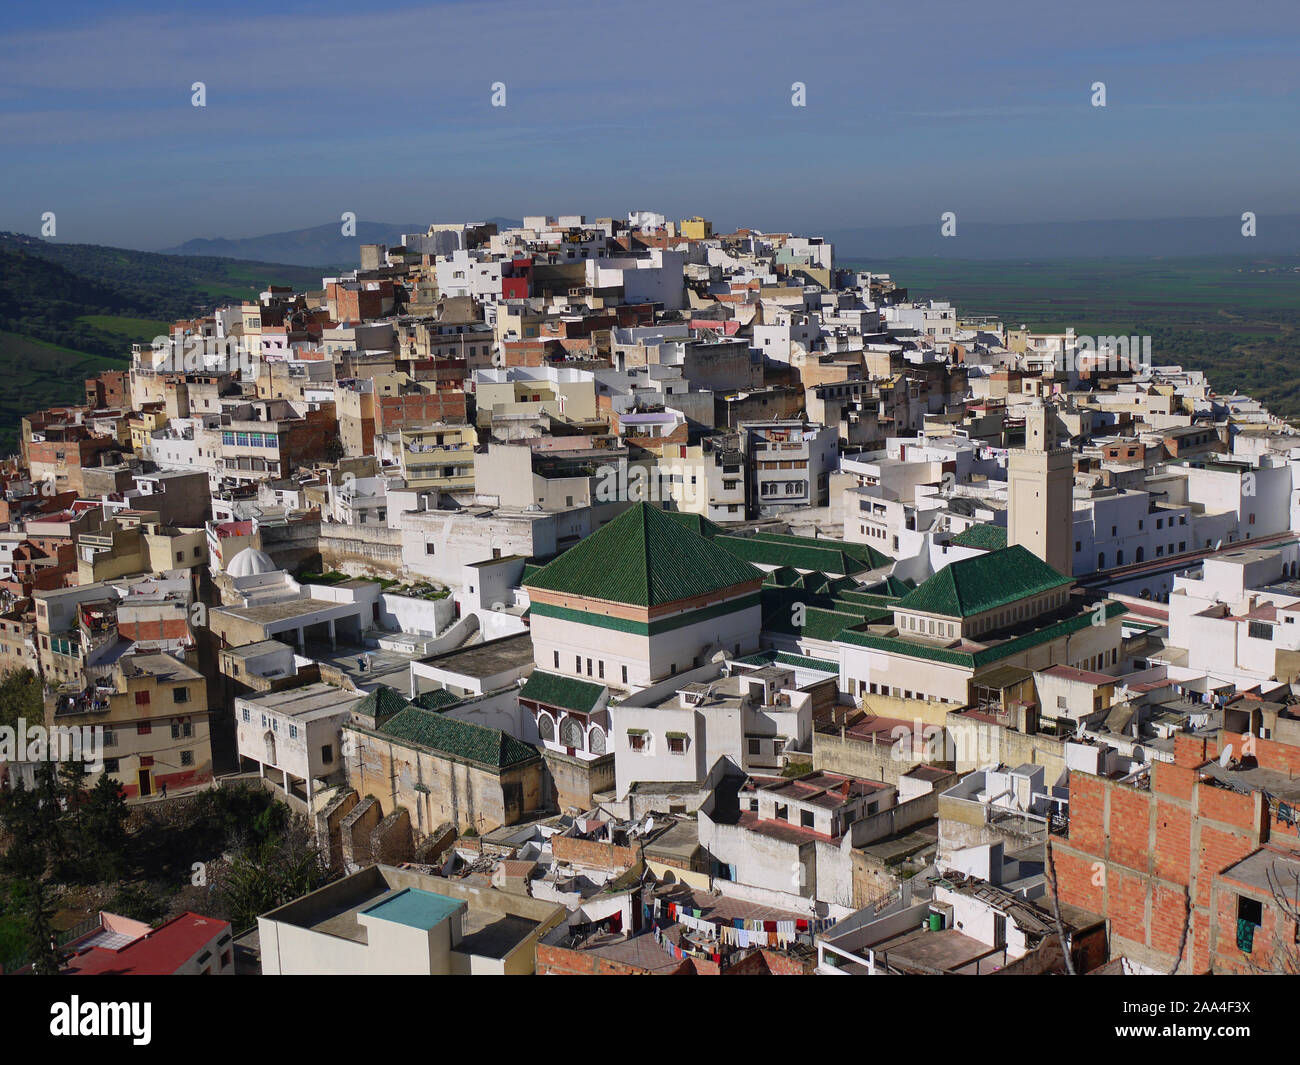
x: 820, y: 620
x: 643, y: 558
x: 437, y: 699
x: 697, y: 523
x: 785, y: 658
x: 765, y: 552
x: 985, y: 537
x: 867, y: 599
x: 985, y: 656
x: 459, y: 739
x: 982, y: 583
x: 553, y: 689
x: 864, y: 553
x: 783, y: 577
x: 381, y: 704
x: 894, y: 587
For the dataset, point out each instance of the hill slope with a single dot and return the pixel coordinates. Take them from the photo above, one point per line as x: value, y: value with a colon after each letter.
x: 316, y: 246
x: 68, y: 311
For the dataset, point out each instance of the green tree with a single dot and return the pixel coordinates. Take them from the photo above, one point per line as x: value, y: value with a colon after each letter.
x: 20, y: 697
x: 272, y: 871
x: 104, y: 837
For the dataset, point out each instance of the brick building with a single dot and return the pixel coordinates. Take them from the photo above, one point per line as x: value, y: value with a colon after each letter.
x: 1193, y: 865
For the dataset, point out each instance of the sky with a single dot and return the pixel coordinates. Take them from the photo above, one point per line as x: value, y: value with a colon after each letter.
x: 912, y: 109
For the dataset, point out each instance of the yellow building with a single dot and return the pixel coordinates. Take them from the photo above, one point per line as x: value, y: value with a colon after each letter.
x: 154, y: 716
x: 438, y: 456
x: 696, y: 228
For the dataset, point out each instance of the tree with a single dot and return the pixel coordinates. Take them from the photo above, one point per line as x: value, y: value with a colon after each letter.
x: 268, y: 872
x: 20, y: 697
x: 103, y: 823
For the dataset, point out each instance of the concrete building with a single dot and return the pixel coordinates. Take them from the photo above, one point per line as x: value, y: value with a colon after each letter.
x: 387, y: 921
x: 293, y: 736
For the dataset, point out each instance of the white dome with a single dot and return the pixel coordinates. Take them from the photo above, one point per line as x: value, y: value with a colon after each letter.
x: 249, y: 562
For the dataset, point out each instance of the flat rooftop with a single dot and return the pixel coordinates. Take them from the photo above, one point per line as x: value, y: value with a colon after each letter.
x: 310, y: 699
x: 269, y: 613
x: 486, y: 659
x: 415, y: 908
x: 488, y: 927
x: 164, y: 667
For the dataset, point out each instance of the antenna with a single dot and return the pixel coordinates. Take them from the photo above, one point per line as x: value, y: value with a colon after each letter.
x: 1225, y: 757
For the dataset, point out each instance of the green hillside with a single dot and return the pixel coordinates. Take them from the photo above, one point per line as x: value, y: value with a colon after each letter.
x: 68, y: 311
x: 1236, y: 318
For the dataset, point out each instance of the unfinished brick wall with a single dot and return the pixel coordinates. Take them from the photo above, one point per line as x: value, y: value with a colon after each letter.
x: 592, y: 853
x: 1146, y: 860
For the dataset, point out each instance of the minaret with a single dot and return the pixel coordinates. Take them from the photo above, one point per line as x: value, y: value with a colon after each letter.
x: 1040, y: 490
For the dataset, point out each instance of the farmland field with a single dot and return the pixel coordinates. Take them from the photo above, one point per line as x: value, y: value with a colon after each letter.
x: 1236, y: 318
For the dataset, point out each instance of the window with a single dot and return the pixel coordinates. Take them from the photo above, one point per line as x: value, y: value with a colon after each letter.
x: 545, y: 728
x: 557, y: 659
x: 783, y: 813
x: 1250, y: 910
x: 180, y: 695
x: 143, y: 728
x: 141, y: 698
x: 625, y: 674
x: 327, y: 754
x: 676, y: 744
x: 429, y: 549
x: 110, y: 765
x: 571, y: 733
x: 187, y: 757
x: 589, y: 667
x: 601, y: 668
x: 293, y: 732
x: 636, y: 740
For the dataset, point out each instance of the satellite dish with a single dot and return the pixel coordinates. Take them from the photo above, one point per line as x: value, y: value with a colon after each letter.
x: 1225, y: 757
x: 649, y: 824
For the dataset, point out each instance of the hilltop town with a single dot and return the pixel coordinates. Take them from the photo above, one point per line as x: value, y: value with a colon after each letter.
x: 616, y: 596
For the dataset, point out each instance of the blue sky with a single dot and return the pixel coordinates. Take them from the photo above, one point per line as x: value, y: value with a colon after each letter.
x: 913, y: 109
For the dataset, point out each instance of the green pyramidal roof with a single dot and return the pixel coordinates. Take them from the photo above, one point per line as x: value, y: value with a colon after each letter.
x: 982, y: 583
x: 985, y: 537
x: 643, y: 558
x: 460, y: 739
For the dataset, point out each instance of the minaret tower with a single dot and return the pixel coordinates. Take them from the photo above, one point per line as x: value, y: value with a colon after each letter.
x: 1040, y: 490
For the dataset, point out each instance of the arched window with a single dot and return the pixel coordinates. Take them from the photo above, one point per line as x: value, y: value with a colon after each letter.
x: 596, y: 741
x: 1141, y: 553
x: 269, y: 740
x: 571, y: 733
x: 1119, y: 557
x: 545, y: 727
x: 1101, y: 560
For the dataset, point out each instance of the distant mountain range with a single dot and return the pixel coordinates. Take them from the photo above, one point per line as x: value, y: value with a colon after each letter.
x: 1155, y: 238
x: 325, y: 246
x: 322, y: 245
